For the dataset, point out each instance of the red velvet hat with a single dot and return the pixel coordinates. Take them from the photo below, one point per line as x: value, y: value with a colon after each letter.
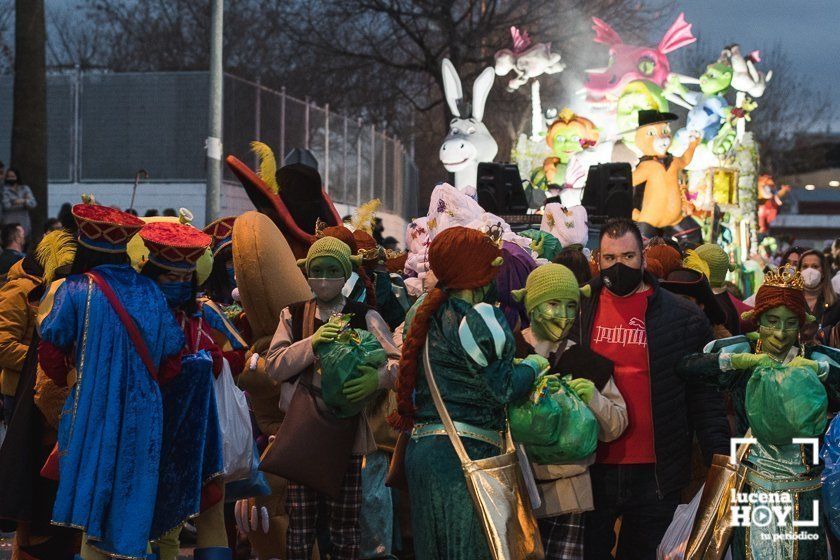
x: 174, y: 246
x: 105, y: 229
x: 221, y: 231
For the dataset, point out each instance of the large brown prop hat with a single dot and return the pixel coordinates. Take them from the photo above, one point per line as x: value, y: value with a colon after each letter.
x: 267, y: 274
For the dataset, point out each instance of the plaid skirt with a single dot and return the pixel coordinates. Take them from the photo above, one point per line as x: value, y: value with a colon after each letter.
x: 562, y: 536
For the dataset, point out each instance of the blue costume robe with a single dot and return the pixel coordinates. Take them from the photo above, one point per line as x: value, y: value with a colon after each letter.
x: 110, y: 433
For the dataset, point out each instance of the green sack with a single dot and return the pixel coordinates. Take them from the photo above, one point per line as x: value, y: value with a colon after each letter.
x: 785, y: 402
x: 555, y: 427
x: 338, y: 361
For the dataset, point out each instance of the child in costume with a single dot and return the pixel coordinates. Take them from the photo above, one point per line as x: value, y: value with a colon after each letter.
x: 472, y: 352
x: 109, y: 439
x: 224, y: 317
x: 801, y: 377
x: 191, y: 459
x: 291, y: 360
x: 551, y: 296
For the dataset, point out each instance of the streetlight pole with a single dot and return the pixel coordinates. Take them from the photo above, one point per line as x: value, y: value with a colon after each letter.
x: 213, y: 144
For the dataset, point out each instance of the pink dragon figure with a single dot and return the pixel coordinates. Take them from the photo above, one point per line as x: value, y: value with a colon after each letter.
x: 633, y: 62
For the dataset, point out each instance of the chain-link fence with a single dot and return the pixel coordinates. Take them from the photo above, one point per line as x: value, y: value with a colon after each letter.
x: 103, y: 127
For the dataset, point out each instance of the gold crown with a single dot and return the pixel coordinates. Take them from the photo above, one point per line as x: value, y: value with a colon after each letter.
x: 784, y: 277
x: 495, y: 233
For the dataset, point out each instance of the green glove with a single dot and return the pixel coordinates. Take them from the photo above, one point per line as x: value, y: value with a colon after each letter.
x: 362, y: 387
x: 583, y: 388
x: 325, y: 333
x: 539, y: 362
x: 799, y: 361
x: 749, y: 361
x: 552, y: 383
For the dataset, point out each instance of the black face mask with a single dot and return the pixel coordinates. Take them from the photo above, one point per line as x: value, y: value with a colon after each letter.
x: 621, y: 279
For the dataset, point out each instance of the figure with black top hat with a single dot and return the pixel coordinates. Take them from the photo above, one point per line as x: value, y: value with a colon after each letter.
x: 660, y: 203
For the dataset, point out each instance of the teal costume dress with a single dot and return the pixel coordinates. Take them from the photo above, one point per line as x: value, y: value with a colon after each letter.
x: 471, y: 352
x: 772, y: 469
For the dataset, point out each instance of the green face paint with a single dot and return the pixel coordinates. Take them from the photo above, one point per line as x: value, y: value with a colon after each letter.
x: 566, y: 143
x: 325, y: 267
x: 553, y: 319
x: 716, y: 78
x: 778, y: 331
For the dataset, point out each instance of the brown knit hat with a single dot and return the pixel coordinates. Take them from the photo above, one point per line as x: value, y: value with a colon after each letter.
x: 339, y: 232
x: 667, y: 256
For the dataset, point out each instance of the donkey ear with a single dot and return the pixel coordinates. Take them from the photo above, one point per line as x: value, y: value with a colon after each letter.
x: 481, y: 89
x: 451, y: 86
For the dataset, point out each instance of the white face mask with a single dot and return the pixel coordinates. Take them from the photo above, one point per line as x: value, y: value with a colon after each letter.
x: 835, y: 283
x: 234, y: 294
x: 326, y: 289
x: 811, y: 277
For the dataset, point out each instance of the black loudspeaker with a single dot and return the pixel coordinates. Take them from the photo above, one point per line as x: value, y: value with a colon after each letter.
x: 499, y: 189
x: 608, y: 192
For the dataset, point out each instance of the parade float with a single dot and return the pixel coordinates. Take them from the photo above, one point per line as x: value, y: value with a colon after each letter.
x: 717, y: 180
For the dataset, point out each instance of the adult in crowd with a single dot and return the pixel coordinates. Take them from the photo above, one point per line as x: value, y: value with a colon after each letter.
x: 26, y: 498
x: 13, y: 240
x: 791, y: 256
x: 17, y: 200
x: 645, y: 331
x: 473, y: 365
x: 574, y: 259
x: 109, y: 438
x: 17, y: 321
x: 820, y: 296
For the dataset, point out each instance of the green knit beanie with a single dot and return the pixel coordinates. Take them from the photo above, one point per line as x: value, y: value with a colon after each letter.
x: 330, y: 247
x: 548, y: 282
x: 718, y: 262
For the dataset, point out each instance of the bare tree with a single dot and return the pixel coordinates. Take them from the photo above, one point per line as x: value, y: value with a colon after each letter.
x: 74, y: 42
x: 29, y: 117
x: 377, y: 59
x: 7, y: 56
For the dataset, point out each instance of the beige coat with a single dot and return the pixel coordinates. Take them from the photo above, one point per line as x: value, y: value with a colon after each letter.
x: 287, y: 357
x: 567, y: 488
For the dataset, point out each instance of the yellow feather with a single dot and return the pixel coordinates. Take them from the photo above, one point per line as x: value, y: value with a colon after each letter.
x: 268, y: 165
x: 693, y: 261
x: 365, y: 215
x: 56, y: 249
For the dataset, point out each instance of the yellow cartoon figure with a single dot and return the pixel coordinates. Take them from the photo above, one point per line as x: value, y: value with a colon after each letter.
x: 660, y: 203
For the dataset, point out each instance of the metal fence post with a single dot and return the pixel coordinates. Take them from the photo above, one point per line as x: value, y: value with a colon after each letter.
x: 372, y: 161
x: 258, y: 117
x: 344, y: 159
x: 76, y: 172
x: 327, y: 147
x: 359, y: 162
x: 283, y: 126
x: 306, y: 124
x: 384, y: 167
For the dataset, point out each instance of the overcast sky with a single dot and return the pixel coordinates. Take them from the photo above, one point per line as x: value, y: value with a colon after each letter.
x: 807, y: 30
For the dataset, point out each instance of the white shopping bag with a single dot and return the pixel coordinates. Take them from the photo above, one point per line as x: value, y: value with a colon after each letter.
x: 675, y: 540
x: 235, y: 426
